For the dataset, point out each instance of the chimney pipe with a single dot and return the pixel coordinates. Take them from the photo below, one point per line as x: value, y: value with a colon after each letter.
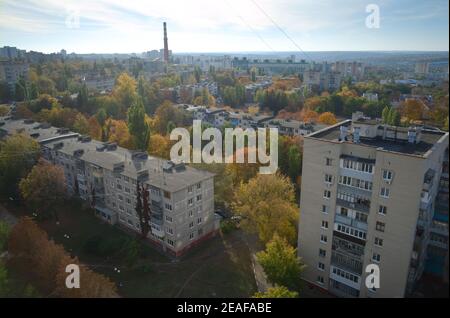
x: 166, y: 45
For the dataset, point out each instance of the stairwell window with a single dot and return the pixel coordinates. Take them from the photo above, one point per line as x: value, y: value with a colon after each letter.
x: 387, y: 175
x: 384, y: 192
x: 325, y: 224
x: 380, y: 226
x: 378, y: 242
x: 376, y: 257
x: 327, y: 194
x: 382, y: 210
x: 328, y: 161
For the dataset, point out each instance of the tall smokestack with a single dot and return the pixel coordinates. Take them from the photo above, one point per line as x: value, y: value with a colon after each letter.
x: 166, y: 45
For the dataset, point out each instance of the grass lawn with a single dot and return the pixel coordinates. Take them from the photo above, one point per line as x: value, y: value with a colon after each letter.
x: 219, y: 267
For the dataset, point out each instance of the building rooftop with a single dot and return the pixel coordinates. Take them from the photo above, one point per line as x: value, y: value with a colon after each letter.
x: 162, y: 173
x: 384, y: 137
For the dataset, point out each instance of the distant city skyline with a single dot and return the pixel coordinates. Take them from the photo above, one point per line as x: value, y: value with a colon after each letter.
x: 114, y: 26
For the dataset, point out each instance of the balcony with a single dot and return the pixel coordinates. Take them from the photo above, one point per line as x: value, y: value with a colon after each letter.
x: 360, y: 204
x: 351, y: 222
x: 346, y: 262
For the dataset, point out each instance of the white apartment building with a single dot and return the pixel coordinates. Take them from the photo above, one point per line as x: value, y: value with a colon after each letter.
x: 368, y: 197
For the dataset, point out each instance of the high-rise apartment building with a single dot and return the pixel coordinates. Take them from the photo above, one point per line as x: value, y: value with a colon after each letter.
x: 368, y: 197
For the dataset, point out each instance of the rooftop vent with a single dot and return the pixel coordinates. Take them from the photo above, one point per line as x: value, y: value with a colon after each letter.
x: 167, y: 166
x: 356, y: 136
x: 78, y: 152
x: 84, y: 138
x: 110, y: 146
x: 44, y: 125
x: 34, y: 135
x: 119, y: 166
x: 139, y: 155
x: 100, y: 148
x: 179, y: 167
x: 142, y: 175
x: 412, y: 136
x: 343, y: 133
x: 62, y: 130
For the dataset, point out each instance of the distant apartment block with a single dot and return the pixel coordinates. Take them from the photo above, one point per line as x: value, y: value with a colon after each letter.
x: 368, y: 196
x: 11, y: 72
x: 181, y: 198
x: 99, y: 83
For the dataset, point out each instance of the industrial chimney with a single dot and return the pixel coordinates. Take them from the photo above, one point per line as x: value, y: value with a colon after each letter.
x: 166, y: 45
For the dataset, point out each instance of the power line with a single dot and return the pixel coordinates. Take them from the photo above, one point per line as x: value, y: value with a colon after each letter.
x: 280, y: 29
x: 250, y: 27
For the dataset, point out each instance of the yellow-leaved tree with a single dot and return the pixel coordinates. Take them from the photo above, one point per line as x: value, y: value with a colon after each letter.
x: 267, y: 206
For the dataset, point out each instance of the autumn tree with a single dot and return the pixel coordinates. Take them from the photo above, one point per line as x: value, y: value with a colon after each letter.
x: 137, y: 126
x: 117, y: 131
x: 413, y: 109
x: 267, y: 205
x: 277, y: 292
x: 81, y: 125
x: 281, y: 263
x: 44, y: 188
x: 125, y: 91
x: 18, y: 154
x: 95, y: 130
x: 327, y: 118
x: 159, y: 146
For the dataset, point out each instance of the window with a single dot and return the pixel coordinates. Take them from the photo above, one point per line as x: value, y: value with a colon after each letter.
x: 191, y: 213
x: 387, y: 175
x: 320, y: 280
x: 169, y: 230
x: 344, y: 211
x: 328, y: 178
x: 199, y: 197
x: 190, y: 189
x: 327, y: 194
x: 169, y: 219
x: 328, y: 161
x: 119, y: 187
x: 199, y: 185
x: 167, y: 194
x: 199, y: 220
x: 384, y: 192
x: 361, y: 217
x: 190, y: 201
x: 378, y: 241
x: 382, y: 210
x: 325, y: 224
x: 322, y: 253
x: 191, y: 225
x: 380, y: 226
x: 191, y: 236
x: 325, y: 209
x: 170, y: 242
x: 376, y: 257
x: 323, y: 238
x: 127, y: 190
x: 321, y: 266
x: 168, y: 206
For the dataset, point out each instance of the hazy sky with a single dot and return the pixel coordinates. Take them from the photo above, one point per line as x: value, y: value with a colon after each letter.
x: 122, y: 26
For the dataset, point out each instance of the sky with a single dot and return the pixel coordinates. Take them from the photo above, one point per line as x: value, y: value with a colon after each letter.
x: 126, y: 26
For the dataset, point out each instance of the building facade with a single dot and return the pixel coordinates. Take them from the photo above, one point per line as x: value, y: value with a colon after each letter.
x: 367, y: 197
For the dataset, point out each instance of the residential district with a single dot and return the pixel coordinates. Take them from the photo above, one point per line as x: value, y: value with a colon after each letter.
x: 86, y: 176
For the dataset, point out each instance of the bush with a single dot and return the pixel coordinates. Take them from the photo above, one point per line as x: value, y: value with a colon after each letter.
x: 227, y: 226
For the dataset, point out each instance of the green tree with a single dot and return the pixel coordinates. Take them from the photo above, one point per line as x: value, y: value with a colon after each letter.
x: 4, y: 281
x: 281, y: 263
x: 44, y: 188
x: 385, y: 115
x: 81, y: 125
x: 18, y: 154
x: 138, y: 127
x: 277, y: 292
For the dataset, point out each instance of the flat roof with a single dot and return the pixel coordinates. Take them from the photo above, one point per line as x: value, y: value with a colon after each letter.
x: 427, y: 140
